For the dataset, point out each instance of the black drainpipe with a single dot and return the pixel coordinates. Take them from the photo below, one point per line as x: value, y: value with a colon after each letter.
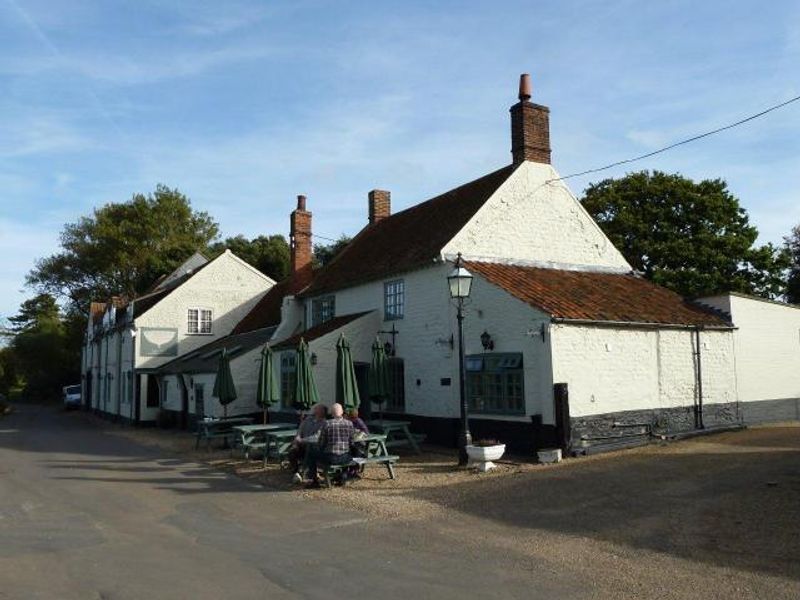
x: 698, y: 412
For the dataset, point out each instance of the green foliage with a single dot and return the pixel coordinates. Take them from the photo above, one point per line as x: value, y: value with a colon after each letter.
x: 268, y: 253
x: 691, y: 237
x: 793, y: 283
x: 35, y: 313
x: 123, y: 247
x: 44, y: 352
x: 325, y: 253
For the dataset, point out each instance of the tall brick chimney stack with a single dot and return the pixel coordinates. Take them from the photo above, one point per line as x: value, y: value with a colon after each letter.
x: 380, y: 205
x: 300, y: 243
x: 530, y: 127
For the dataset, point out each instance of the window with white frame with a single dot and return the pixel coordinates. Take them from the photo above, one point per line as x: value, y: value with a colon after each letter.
x: 199, y: 321
x: 322, y: 309
x: 394, y: 299
x: 495, y: 383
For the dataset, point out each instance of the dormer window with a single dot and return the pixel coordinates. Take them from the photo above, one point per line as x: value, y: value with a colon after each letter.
x: 322, y: 309
x: 199, y: 321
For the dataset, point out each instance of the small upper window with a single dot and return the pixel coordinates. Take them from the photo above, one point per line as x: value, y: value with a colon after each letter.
x: 199, y: 321
x: 394, y: 299
x: 322, y: 310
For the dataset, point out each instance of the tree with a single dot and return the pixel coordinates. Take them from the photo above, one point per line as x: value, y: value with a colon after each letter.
x: 325, y: 253
x: 268, y: 253
x: 41, y: 353
x: 793, y: 283
x: 691, y: 237
x: 35, y: 313
x: 123, y: 247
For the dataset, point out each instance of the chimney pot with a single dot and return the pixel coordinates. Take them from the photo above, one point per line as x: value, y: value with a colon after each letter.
x: 380, y: 205
x: 525, y: 87
x: 301, y: 202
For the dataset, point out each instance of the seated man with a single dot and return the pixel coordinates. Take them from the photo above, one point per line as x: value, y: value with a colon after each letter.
x: 333, y: 446
x: 307, y: 435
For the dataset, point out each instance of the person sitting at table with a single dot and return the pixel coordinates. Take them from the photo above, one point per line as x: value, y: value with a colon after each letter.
x: 307, y: 435
x: 333, y: 445
x: 358, y: 422
x: 359, y: 448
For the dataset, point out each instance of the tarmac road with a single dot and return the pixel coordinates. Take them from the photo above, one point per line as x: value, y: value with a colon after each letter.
x: 87, y: 515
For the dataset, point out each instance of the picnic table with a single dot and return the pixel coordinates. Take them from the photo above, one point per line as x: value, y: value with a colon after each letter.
x: 376, y: 453
x: 397, y: 433
x: 277, y: 442
x: 210, y: 428
x: 253, y: 437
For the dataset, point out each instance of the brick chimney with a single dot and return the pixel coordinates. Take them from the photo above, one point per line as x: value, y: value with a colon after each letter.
x: 380, y: 205
x: 300, y: 243
x: 530, y: 127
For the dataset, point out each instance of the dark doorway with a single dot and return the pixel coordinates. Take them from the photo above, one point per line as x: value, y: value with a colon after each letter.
x: 153, y: 394
x: 563, y: 426
x: 362, y: 381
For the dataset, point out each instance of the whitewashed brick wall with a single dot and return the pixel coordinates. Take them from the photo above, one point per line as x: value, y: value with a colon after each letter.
x: 767, y: 346
x: 530, y: 220
x: 617, y: 369
x: 424, y: 339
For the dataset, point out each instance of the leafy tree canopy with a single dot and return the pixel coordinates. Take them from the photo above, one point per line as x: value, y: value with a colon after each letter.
x: 325, y: 253
x: 267, y: 253
x: 692, y: 237
x: 36, y: 313
x: 123, y: 247
x: 793, y: 248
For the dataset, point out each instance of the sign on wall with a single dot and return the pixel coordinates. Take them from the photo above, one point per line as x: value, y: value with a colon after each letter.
x: 159, y: 341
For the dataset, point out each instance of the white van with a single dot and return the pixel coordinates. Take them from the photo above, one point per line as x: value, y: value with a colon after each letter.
x: 72, y: 396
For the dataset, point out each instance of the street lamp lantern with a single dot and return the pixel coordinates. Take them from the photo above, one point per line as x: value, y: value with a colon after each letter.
x: 460, y: 283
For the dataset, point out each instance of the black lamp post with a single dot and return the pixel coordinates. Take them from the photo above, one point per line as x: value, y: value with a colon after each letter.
x: 460, y: 282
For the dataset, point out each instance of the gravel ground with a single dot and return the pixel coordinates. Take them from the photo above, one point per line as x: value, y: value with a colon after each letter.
x: 710, y: 517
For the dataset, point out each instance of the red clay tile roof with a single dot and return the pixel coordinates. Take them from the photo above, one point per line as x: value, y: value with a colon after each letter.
x: 320, y: 330
x: 581, y: 295
x: 267, y: 311
x: 408, y: 239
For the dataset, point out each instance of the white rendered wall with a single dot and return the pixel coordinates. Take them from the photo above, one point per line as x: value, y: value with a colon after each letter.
x: 767, y: 342
x: 424, y: 336
x: 528, y: 220
x: 227, y: 286
x: 617, y: 369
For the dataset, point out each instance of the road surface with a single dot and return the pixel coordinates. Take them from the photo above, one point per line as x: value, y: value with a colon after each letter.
x: 85, y: 515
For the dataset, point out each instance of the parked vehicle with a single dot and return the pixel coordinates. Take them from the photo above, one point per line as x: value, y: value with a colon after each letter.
x: 72, y: 396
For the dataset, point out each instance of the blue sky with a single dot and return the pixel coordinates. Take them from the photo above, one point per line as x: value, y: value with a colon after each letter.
x: 243, y: 105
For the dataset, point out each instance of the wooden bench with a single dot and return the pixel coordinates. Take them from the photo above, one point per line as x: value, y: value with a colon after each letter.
x: 388, y: 461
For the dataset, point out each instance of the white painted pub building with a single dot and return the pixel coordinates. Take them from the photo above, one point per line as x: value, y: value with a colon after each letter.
x: 565, y: 344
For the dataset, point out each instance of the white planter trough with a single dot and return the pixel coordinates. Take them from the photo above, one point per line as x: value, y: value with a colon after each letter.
x: 481, y: 457
x: 549, y: 455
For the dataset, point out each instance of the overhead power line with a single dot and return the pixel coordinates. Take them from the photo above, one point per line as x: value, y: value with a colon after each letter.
x: 680, y: 143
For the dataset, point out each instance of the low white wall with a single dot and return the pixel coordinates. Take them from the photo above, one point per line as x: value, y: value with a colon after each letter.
x: 767, y: 343
x: 618, y: 369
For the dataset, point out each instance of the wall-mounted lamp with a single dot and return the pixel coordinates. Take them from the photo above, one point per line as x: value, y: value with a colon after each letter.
x: 388, y: 348
x: 486, y: 341
x: 313, y: 358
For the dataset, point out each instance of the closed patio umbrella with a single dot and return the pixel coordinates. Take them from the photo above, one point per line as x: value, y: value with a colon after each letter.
x: 305, y: 390
x: 378, y: 376
x: 224, y: 389
x: 346, y: 387
x: 267, y: 392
